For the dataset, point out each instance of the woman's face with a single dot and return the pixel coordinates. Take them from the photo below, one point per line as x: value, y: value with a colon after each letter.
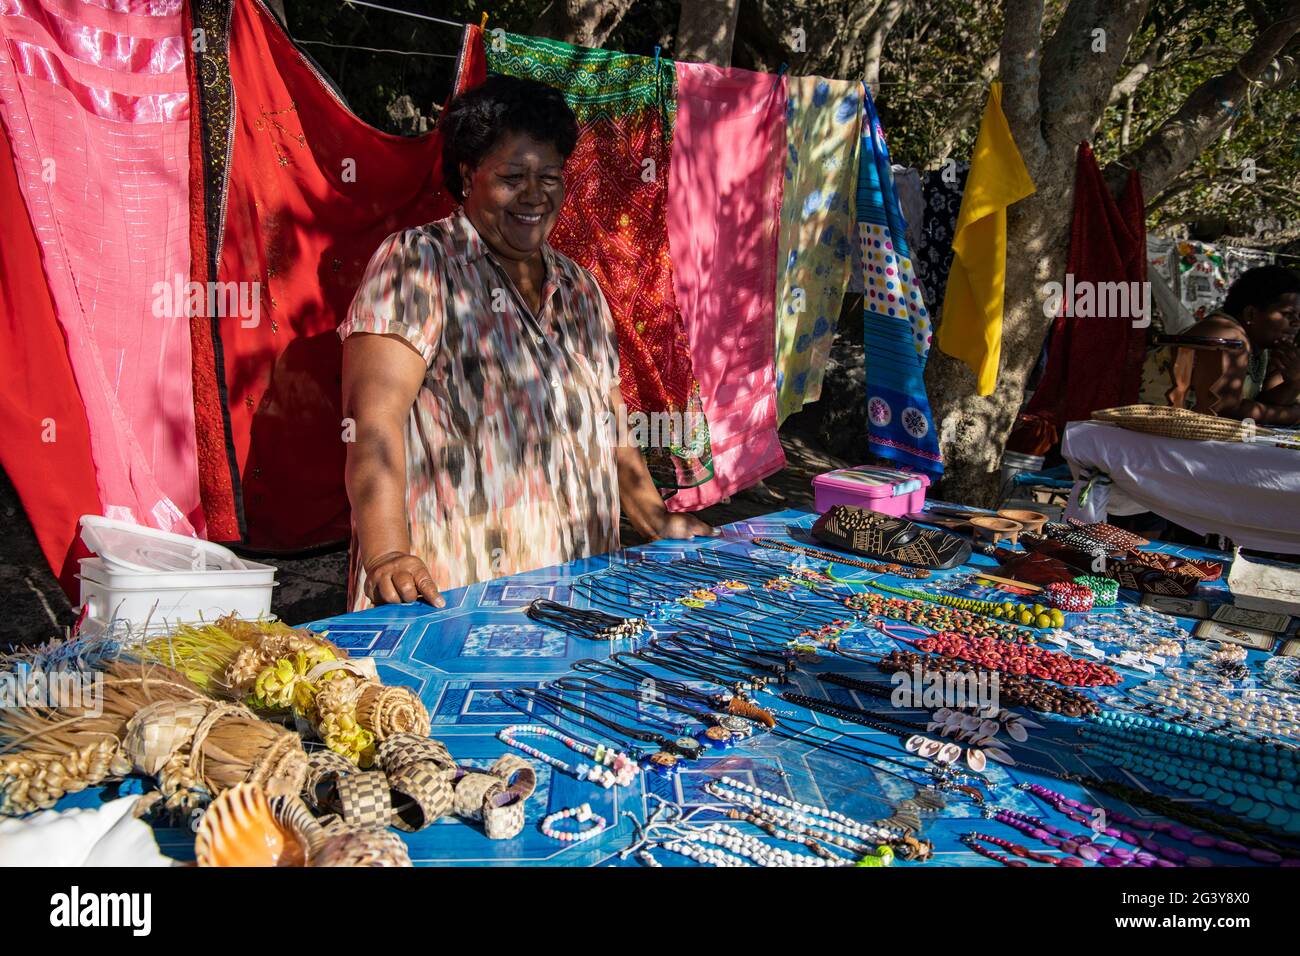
x: 513, y: 196
x: 1275, y: 324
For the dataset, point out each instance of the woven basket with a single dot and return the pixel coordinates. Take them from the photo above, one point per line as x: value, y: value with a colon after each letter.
x: 1184, y: 423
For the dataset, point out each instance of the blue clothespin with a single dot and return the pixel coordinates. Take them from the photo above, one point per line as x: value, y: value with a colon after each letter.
x: 781, y: 70
x: 657, y: 49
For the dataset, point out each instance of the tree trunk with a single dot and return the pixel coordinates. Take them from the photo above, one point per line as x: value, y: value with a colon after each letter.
x: 974, y: 429
x: 581, y: 22
x: 706, y: 31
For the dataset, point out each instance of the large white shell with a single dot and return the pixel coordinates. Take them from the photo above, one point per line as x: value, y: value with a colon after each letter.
x: 914, y: 743
x: 976, y: 760
x: 930, y: 748
x: 1016, y: 731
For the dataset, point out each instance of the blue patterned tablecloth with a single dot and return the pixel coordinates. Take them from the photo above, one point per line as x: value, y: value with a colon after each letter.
x: 459, y: 656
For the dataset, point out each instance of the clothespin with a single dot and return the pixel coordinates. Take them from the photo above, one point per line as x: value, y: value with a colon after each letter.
x: 482, y: 24
x: 657, y: 50
x: 781, y: 70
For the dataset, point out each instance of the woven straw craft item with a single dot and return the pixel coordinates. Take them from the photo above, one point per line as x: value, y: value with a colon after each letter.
x: 1194, y: 426
x: 343, y: 846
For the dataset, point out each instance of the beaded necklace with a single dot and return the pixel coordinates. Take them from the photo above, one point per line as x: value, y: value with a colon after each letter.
x: 1082, y: 812
x: 936, y: 617
x: 1018, y: 660
x: 1044, y: 620
x: 836, y: 558
x: 1013, y: 690
x: 1245, y: 796
x: 976, y: 840
x: 611, y: 767
x: 1080, y: 845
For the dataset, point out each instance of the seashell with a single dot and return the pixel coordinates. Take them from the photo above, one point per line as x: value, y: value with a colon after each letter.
x: 1016, y: 731
x: 948, y: 753
x: 942, y: 713
x: 970, y: 722
x: 976, y: 760
x: 990, y: 728
x: 985, y: 741
x: 930, y: 748
x: 933, y: 726
x: 1001, y: 756
x: 239, y: 829
x: 913, y: 743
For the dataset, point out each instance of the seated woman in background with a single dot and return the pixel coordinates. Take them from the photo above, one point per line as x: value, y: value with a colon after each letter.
x: 481, y: 369
x: 1261, y: 381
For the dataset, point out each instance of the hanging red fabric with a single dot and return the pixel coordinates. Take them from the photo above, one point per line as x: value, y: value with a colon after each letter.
x: 1095, y: 361
x: 46, y: 446
x: 313, y: 191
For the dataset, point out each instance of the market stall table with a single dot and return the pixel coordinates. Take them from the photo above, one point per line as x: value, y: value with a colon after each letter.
x: 1245, y: 491
x: 460, y: 656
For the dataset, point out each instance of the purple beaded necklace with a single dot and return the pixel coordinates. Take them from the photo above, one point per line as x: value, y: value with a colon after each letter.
x: 1082, y: 846
x: 1083, y: 813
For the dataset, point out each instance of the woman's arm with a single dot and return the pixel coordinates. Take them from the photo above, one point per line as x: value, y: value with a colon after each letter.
x: 381, y: 379
x: 640, y: 499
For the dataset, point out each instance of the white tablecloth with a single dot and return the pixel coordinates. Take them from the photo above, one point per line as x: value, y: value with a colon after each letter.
x: 1247, y: 492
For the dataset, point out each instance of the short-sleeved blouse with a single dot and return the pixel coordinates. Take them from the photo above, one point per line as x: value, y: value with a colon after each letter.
x: 510, y: 454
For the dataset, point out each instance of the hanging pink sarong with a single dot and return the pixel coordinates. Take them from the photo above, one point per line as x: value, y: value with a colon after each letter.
x: 95, y: 103
x: 724, y: 205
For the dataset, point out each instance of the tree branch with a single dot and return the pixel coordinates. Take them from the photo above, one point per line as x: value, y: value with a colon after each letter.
x: 1077, y: 76
x: 857, y: 24
x: 1139, y: 72
x: 876, y: 42
x: 581, y: 22
x: 1211, y: 108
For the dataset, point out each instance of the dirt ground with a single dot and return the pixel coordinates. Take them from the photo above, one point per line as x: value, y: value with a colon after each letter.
x: 36, y: 608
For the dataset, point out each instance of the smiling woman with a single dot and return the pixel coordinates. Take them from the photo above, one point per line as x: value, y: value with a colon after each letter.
x: 481, y: 370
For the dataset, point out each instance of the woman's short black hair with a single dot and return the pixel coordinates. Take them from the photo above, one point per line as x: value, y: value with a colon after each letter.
x: 474, y: 121
x: 1261, y: 287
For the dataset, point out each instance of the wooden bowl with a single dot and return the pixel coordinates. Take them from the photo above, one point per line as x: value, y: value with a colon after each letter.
x: 996, y: 529
x: 1032, y: 521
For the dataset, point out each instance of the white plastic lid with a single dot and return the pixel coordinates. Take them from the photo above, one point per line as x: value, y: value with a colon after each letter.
x: 132, y: 547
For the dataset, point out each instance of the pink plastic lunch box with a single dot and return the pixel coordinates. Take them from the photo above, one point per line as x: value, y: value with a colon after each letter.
x: 890, y: 491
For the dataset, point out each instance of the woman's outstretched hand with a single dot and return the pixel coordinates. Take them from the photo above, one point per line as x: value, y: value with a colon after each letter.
x: 676, y: 526
x: 398, y: 578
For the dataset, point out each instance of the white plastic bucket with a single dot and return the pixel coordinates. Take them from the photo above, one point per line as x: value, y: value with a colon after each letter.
x: 170, y: 598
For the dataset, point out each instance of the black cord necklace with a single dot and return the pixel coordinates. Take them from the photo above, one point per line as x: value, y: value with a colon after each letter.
x: 593, y: 625
x: 684, y: 746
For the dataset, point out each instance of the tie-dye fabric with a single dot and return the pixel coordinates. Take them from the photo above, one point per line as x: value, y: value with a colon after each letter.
x: 510, y: 460
x: 896, y: 322
x: 614, y: 222
x: 823, y: 120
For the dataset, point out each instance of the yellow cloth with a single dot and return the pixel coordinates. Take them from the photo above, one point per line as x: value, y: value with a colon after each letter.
x: 971, y: 326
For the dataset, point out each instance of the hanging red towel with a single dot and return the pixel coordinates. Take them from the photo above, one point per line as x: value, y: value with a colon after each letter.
x: 46, y: 446
x: 1095, y: 357
x: 313, y: 191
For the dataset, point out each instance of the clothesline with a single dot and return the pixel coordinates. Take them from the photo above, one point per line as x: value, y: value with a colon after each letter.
x: 453, y: 23
x: 371, y: 49
x: 404, y: 13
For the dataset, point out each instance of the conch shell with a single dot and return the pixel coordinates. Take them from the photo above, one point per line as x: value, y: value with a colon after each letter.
x: 239, y: 829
